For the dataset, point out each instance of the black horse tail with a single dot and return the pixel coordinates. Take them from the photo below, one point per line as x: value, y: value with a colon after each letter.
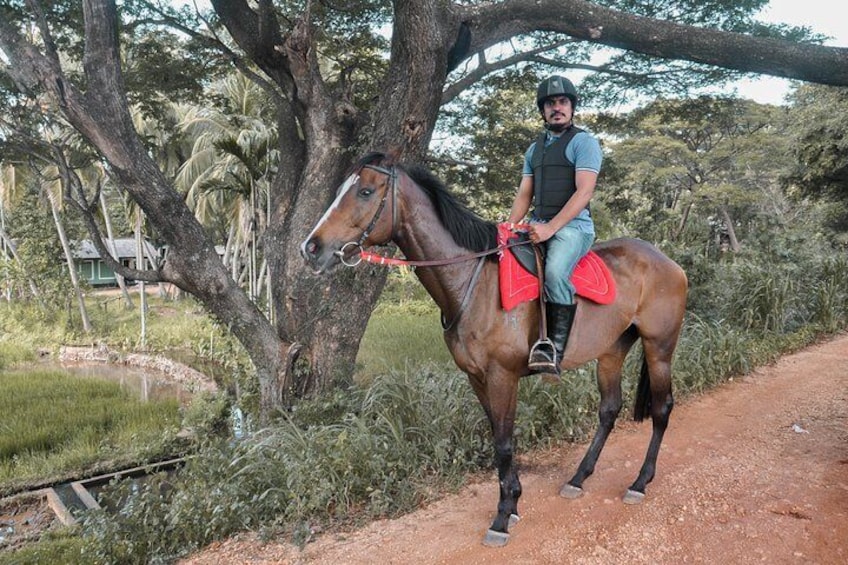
x: 642, y: 406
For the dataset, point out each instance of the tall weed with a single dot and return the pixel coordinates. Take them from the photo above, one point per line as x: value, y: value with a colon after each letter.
x: 549, y: 413
x: 829, y: 296
x: 708, y: 352
x: 761, y: 299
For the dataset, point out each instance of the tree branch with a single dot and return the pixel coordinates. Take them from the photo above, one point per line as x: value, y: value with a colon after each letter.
x: 259, y: 36
x: 30, y: 69
x: 485, y: 68
x: 493, y: 23
x: 213, y: 41
x: 44, y: 29
x: 452, y: 162
x: 71, y: 185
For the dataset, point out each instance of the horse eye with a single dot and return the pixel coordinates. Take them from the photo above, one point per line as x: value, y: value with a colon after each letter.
x: 366, y: 191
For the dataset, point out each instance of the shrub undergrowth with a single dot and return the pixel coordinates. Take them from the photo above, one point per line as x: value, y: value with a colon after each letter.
x: 372, y: 451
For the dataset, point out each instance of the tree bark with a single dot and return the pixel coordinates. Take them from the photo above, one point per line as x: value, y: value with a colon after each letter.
x: 731, y: 232
x: 492, y: 23
x: 101, y: 114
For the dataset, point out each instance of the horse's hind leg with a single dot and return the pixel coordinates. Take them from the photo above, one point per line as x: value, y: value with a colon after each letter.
x: 653, y: 396
x: 609, y: 385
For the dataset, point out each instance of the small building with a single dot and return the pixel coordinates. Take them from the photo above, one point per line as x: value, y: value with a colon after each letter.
x: 94, y: 269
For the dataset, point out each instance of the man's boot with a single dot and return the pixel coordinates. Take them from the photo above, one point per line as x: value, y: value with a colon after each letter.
x: 546, y: 354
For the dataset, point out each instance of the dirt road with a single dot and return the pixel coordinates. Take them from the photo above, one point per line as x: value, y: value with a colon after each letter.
x: 755, y: 471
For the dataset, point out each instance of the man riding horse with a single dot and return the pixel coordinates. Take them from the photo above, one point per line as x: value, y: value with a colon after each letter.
x: 382, y: 201
x: 560, y: 171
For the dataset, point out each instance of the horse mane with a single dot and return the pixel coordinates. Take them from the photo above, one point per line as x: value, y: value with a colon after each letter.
x: 467, y: 228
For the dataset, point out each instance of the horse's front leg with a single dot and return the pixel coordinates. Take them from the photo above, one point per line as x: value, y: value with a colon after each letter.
x: 510, y: 487
x: 498, y: 395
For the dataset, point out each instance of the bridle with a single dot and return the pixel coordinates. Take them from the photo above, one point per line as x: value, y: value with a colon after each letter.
x: 391, y: 189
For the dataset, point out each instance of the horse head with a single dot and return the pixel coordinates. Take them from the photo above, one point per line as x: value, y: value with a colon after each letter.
x: 364, y: 213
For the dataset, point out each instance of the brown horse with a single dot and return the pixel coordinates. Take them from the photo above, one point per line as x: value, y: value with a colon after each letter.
x: 382, y: 202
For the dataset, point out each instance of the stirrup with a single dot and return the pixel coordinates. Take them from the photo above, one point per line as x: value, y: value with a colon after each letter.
x: 543, y: 356
x: 543, y: 361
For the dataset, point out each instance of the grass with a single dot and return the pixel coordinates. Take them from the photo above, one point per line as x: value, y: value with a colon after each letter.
x: 400, y: 337
x: 63, y: 548
x: 55, y: 425
x: 11, y: 354
x: 371, y: 451
x: 178, y: 329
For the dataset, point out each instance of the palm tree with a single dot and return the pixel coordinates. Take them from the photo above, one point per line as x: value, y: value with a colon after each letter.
x: 9, y: 189
x: 6, y: 247
x: 53, y: 185
x: 227, y: 175
x: 110, y: 234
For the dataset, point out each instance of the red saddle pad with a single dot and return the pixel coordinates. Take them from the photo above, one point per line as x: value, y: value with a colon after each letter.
x: 591, y: 278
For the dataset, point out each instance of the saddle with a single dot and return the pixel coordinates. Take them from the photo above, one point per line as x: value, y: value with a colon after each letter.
x: 519, y: 278
x: 524, y: 252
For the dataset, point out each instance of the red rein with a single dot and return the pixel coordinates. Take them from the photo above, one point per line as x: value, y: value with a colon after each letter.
x: 376, y: 259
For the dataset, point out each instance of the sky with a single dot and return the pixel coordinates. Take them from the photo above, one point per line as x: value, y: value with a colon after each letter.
x: 823, y: 16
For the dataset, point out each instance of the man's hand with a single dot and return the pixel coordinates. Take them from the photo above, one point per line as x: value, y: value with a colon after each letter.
x: 541, y: 232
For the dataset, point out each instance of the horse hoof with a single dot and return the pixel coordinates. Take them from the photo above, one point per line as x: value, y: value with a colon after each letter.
x: 633, y: 497
x: 513, y: 519
x: 495, y: 539
x: 570, y: 491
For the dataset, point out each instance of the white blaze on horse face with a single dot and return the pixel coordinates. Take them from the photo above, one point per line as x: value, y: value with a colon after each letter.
x: 343, y: 189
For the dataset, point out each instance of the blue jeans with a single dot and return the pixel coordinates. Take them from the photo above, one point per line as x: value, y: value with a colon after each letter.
x: 564, y: 250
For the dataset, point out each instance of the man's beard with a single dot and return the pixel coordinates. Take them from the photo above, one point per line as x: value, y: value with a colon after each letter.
x: 557, y: 128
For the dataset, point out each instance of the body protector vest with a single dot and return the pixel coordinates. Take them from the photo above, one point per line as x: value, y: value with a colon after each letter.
x: 553, y: 175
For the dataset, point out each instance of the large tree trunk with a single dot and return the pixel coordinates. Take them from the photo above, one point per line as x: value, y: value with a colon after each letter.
x: 328, y: 317
x: 101, y: 114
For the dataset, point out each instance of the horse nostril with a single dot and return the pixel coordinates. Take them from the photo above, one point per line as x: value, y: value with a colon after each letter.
x: 310, y: 248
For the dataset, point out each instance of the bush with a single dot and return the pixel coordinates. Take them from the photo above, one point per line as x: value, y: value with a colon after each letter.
x: 829, y: 295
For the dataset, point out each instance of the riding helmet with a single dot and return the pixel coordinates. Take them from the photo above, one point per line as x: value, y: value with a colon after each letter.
x: 555, y: 86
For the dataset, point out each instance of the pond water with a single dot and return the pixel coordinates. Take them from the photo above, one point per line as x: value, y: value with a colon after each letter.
x: 145, y: 385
